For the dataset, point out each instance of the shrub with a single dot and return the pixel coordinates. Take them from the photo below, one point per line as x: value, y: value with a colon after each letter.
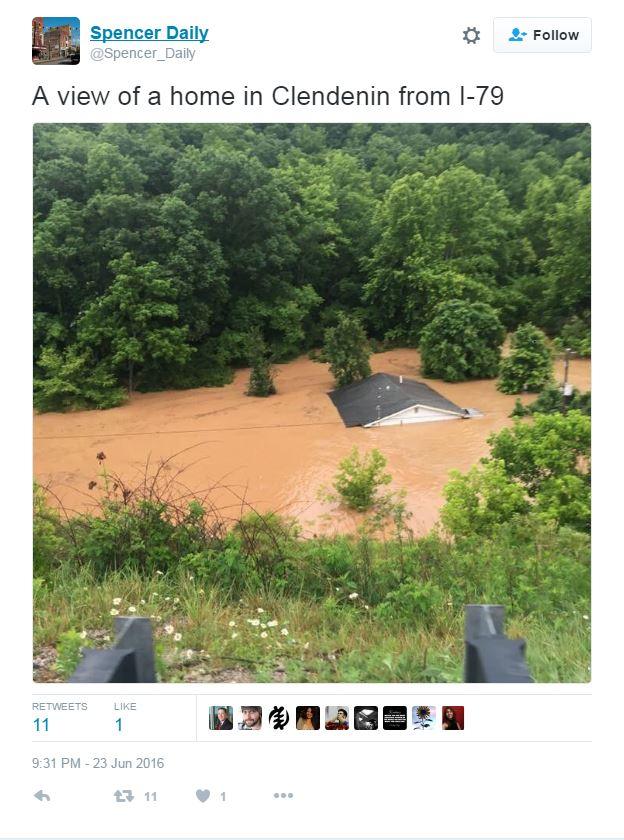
x: 529, y: 364
x: 462, y: 342
x: 50, y: 546
x: 551, y: 401
x: 267, y: 541
x: 68, y: 652
x: 359, y: 478
x: 411, y: 603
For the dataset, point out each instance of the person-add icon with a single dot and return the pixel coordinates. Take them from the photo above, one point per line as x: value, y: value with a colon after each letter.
x: 517, y: 37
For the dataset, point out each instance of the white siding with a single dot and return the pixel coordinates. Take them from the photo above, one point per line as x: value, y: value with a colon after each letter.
x: 416, y: 414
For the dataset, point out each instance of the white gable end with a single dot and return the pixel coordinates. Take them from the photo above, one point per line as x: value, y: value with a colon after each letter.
x: 415, y: 414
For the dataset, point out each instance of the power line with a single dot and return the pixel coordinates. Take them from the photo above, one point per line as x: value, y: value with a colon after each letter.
x: 100, y: 432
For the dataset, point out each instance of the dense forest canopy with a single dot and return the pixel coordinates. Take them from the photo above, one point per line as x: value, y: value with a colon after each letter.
x: 159, y: 249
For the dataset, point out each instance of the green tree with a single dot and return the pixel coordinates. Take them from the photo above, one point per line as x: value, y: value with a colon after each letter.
x: 551, y: 401
x: 529, y: 364
x: 359, y: 479
x: 567, y: 265
x: 68, y: 378
x: 567, y: 501
x: 135, y: 321
x: 462, y: 342
x: 261, y: 375
x: 575, y: 335
x: 551, y: 446
x: 480, y: 499
x: 347, y: 350
x: 456, y: 222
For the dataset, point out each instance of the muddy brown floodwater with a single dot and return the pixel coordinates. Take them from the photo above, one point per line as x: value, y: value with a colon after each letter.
x: 278, y: 452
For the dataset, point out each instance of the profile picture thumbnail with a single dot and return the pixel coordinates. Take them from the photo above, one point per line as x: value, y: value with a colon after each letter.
x: 452, y: 717
x: 55, y: 40
x: 221, y: 717
x: 366, y: 717
x: 336, y: 717
x: 423, y: 717
x: 251, y: 717
x: 395, y: 717
x: 308, y: 717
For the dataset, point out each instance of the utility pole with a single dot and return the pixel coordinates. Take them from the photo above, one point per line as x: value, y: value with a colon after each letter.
x: 567, y: 387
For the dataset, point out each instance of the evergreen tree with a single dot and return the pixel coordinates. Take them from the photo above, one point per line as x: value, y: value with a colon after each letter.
x: 529, y: 365
x: 261, y: 375
x: 347, y: 350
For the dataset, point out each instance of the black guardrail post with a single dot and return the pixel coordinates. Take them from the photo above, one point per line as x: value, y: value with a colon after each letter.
x: 131, y: 660
x: 490, y: 656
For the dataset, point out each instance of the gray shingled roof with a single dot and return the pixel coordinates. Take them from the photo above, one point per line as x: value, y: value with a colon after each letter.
x: 357, y: 403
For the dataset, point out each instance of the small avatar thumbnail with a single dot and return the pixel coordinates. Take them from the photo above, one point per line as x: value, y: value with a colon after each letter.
x: 336, y: 717
x: 395, y: 718
x: 366, y: 717
x: 221, y: 718
x: 308, y: 717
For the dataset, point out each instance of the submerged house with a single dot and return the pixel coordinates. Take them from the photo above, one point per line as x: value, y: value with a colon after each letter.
x: 386, y: 400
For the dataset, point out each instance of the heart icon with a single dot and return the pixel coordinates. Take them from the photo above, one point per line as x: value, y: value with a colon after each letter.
x: 202, y: 795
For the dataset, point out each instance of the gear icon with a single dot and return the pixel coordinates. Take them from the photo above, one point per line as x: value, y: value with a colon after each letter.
x: 471, y: 35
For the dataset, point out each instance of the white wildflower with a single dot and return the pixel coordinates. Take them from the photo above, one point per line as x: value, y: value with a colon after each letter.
x: 159, y: 573
x: 255, y: 622
x: 353, y: 596
x: 83, y: 635
x: 264, y: 635
x: 177, y: 637
x: 234, y: 635
x: 232, y: 624
x: 188, y: 653
x: 284, y: 631
x: 259, y: 610
x: 131, y: 609
x: 114, y: 612
x: 272, y: 623
x: 586, y: 617
x: 169, y: 628
x: 263, y: 626
x: 106, y: 638
x: 116, y: 602
x: 176, y: 600
x: 143, y: 601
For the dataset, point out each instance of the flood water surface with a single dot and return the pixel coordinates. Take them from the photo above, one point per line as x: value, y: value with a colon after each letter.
x: 275, y: 453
